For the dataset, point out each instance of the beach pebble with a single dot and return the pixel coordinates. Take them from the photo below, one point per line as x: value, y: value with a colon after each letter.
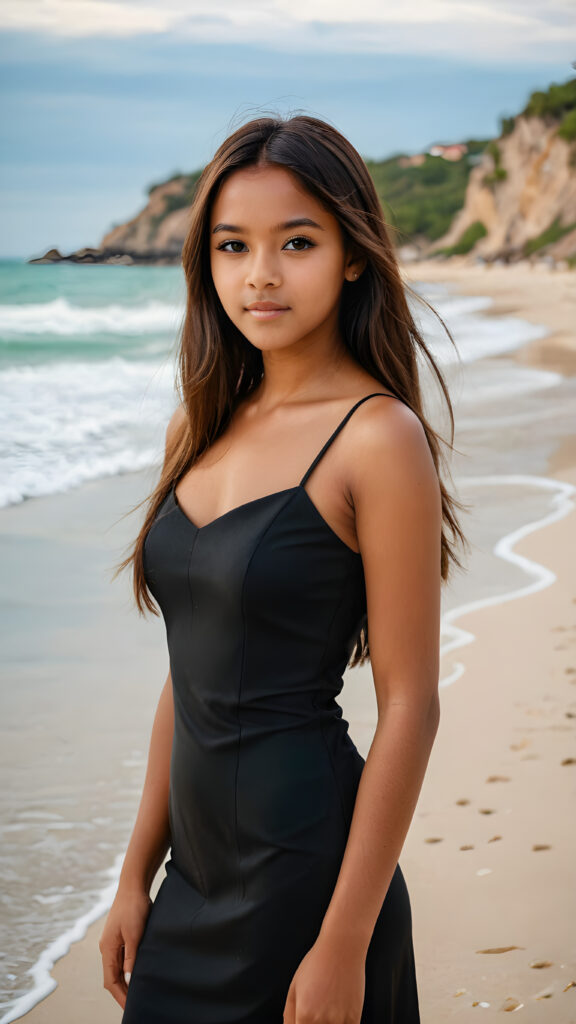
x: 494, y: 839
x: 467, y: 847
x: 539, y: 964
x: 541, y: 846
x: 498, y: 778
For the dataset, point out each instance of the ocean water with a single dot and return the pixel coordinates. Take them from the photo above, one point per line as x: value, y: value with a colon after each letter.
x: 86, y: 388
x: 86, y: 367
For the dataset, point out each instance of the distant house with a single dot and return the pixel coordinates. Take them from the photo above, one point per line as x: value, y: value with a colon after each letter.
x: 453, y: 152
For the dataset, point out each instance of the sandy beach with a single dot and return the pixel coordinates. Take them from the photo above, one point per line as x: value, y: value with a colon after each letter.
x: 489, y: 856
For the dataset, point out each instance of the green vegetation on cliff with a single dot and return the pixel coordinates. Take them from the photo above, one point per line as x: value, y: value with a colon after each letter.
x: 552, y: 234
x: 473, y: 233
x: 422, y: 200
x: 557, y: 103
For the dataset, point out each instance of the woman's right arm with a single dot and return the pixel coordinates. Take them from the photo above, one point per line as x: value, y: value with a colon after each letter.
x: 150, y: 838
x: 147, y: 848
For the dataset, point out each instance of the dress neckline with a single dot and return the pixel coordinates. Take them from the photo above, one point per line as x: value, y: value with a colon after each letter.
x: 257, y: 501
x: 285, y: 490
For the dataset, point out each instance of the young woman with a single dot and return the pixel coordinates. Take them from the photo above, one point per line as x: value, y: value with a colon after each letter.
x: 299, y: 512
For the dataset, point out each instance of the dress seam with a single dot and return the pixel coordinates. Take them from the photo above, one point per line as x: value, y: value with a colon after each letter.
x: 257, y: 543
x: 191, y: 850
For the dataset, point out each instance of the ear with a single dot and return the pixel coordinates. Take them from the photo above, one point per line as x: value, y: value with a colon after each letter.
x: 354, y: 266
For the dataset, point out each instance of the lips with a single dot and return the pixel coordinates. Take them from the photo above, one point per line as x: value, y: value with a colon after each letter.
x: 265, y: 306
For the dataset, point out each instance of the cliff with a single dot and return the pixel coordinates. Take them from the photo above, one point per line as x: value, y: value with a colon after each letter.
x: 523, y: 194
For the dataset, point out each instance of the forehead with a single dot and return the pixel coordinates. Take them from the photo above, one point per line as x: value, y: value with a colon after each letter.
x: 264, y: 192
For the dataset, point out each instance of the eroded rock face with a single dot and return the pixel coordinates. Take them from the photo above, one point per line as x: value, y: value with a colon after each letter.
x: 157, y: 228
x: 540, y: 186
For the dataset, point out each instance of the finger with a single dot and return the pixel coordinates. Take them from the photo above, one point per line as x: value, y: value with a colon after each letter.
x: 119, y: 991
x: 112, y: 960
x: 129, y: 957
x: 113, y: 976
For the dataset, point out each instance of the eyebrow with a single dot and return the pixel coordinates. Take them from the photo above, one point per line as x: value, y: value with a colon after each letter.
x: 296, y: 222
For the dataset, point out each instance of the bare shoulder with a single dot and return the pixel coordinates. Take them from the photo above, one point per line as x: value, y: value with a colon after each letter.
x: 175, y: 425
x: 390, y: 449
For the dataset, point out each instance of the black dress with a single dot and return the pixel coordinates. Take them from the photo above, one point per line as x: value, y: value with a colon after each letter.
x: 261, y: 606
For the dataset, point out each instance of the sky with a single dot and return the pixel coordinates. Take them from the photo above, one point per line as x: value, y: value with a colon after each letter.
x: 102, y: 98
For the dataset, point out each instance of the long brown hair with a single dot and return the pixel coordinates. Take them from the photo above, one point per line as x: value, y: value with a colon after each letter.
x: 217, y: 366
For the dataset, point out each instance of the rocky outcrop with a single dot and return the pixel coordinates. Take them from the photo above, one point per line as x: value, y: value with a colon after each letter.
x: 160, y: 227
x: 155, y: 235
x: 524, y: 184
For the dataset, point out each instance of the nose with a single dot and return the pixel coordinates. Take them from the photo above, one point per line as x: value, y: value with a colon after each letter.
x: 263, y: 270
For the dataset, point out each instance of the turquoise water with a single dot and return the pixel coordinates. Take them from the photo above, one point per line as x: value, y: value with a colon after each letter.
x: 87, y: 366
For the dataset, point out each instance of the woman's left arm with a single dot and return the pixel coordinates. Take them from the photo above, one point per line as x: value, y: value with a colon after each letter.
x: 397, y: 502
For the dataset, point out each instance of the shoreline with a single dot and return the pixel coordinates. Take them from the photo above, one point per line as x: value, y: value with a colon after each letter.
x: 77, y: 973
x: 513, y: 291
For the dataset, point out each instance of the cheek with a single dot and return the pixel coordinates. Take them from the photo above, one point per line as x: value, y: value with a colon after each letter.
x: 224, y: 280
x: 319, y: 287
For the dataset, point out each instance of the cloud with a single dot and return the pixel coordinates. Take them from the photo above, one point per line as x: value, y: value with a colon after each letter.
x: 509, y: 30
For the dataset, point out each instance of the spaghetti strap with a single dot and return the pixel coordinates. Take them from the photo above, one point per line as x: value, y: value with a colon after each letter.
x: 337, y: 431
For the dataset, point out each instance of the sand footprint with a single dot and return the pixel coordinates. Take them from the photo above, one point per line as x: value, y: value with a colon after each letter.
x: 510, y: 1004
x: 546, y: 993
x: 523, y: 743
x: 499, y: 949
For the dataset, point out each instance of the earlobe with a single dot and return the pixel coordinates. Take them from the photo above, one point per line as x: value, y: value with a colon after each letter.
x: 355, y: 269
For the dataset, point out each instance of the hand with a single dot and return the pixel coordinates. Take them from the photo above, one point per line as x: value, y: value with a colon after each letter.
x: 120, y: 939
x: 328, y: 986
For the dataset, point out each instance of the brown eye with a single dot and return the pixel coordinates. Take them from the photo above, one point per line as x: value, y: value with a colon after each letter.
x: 232, y: 241
x: 301, y: 238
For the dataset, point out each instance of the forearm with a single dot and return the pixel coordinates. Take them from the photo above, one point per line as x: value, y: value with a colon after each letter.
x: 386, y: 798
x: 150, y: 838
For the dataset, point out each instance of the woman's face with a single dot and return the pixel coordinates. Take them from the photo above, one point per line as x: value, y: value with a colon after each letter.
x: 257, y: 257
